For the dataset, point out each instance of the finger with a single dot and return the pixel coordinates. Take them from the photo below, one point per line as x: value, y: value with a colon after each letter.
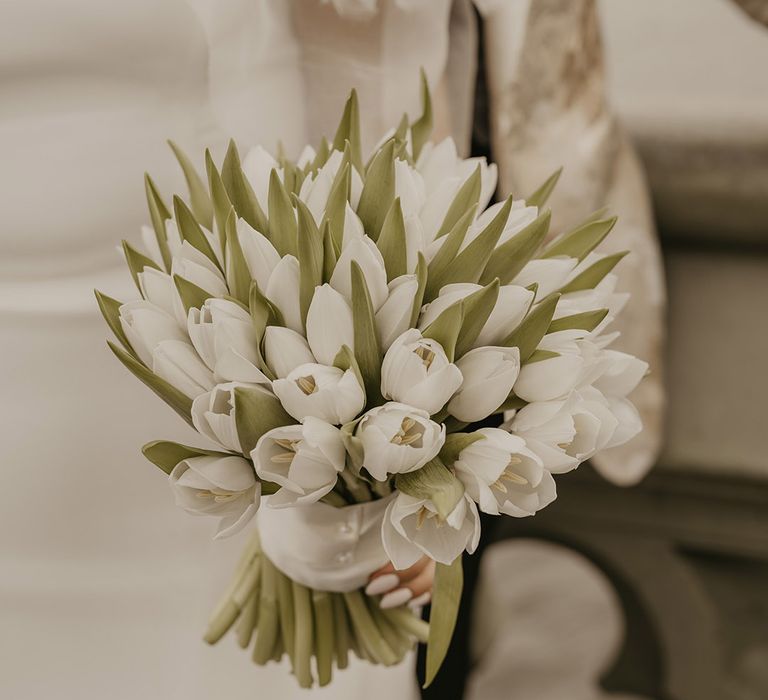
x: 416, y: 587
x: 387, y: 577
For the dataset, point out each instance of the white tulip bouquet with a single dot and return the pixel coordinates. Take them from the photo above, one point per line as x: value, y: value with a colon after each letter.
x: 333, y: 326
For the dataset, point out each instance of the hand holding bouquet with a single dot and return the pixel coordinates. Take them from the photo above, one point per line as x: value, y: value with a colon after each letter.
x: 333, y: 326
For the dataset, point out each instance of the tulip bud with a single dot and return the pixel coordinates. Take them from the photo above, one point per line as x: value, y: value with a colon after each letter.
x: 367, y: 255
x: 213, y: 414
x: 489, y: 375
x: 329, y: 324
x: 177, y: 362
x: 283, y: 291
x: 394, y: 316
x: 146, y: 325
x: 409, y: 187
x: 328, y: 393
x: 221, y: 486
x: 547, y: 428
x: 503, y: 476
x: 260, y: 255
x: 304, y: 460
x: 157, y: 287
x: 417, y: 372
x: 396, y: 439
x: 550, y: 274
x: 555, y: 377
x: 223, y: 335
x: 285, y: 349
x: 413, y: 528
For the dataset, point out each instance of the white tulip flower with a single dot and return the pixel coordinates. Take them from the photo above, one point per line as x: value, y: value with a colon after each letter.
x: 502, y: 475
x: 316, y: 188
x: 146, y: 325
x: 365, y: 253
x: 304, y: 460
x: 283, y: 291
x: 224, y: 487
x: 284, y: 350
x: 222, y: 333
x: 329, y: 324
x: 177, y: 362
x: 414, y: 241
x: 259, y: 253
x: 258, y: 165
x: 409, y: 187
x: 353, y: 227
x: 555, y: 377
x: 394, y: 316
x: 213, y: 414
x: 324, y: 392
x: 510, y: 309
x: 520, y: 215
x: 621, y: 373
x: 417, y: 372
x: 489, y: 375
x: 412, y: 528
x: 397, y: 438
x: 151, y: 246
x: 158, y: 287
x: 550, y: 274
x: 548, y: 429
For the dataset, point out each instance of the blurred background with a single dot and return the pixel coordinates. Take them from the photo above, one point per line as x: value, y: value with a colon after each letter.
x: 654, y: 592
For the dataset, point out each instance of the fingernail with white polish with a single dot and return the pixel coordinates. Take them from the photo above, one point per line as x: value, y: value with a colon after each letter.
x: 423, y: 599
x: 399, y: 597
x: 382, y: 584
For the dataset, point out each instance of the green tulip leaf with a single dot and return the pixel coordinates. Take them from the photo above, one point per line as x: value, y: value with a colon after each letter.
x: 335, y: 208
x: 349, y: 131
x: 110, y: 310
x: 238, y: 274
x: 467, y: 197
x: 527, y: 336
x: 367, y: 350
x: 541, y: 355
x: 510, y: 257
x: 594, y: 274
x: 391, y: 242
x: 421, y: 129
x: 441, y: 263
x: 541, y: 195
x: 263, y: 312
x: 198, y: 194
x: 166, y: 454
x: 257, y: 411
x: 282, y: 217
x: 345, y: 359
x: 310, y: 258
x: 582, y: 240
x: 241, y: 193
x: 190, y: 230
x: 158, y: 214
x: 455, y: 443
x: 433, y: 482
x: 137, y: 262
x: 477, y: 309
x: 179, y: 402
x: 587, y: 320
x: 446, y: 327
x: 192, y: 296
x: 219, y: 197
x: 330, y: 251
x: 446, y: 598
x: 421, y: 279
x: 378, y: 190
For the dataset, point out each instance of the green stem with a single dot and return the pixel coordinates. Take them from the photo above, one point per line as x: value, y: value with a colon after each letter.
x: 304, y: 632
x: 334, y: 499
x: 268, y: 622
x: 403, y: 618
x: 230, y: 611
x: 247, y: 621
x: 357, y: 487
x: 285, y: 604
x: 367, y: 631
x: 324, y: 635
x: 341, y: 631
x: 394, y: 636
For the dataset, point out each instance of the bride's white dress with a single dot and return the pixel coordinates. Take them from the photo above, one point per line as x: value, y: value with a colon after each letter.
x: 105, y: 586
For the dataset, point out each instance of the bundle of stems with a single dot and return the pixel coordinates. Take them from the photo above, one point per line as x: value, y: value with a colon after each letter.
x: 316, y: 630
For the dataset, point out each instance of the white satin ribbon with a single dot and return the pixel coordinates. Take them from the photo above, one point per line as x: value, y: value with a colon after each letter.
x: 322, y: 547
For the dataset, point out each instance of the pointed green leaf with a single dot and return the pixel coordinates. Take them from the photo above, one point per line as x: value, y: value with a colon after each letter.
x: 321, y: 155
x: 110, y: 310
x: 587, y: 320
x: 179, y: 402
x: 263, y: 312
x: 446, y: 598
x: 421, y: 129
x: 190, y: 294
x: 219, y: 197
x: 418, y: 298
x: 594, y: 274
x: 335, y: 210
x: 166, y: 454
x: 581, y: 241
x: 511, y: 256
x: 477, y: 308
x: 469, y: 264
x: 349, y: 130
x: 541, y: 195
x: 391, y: 242
x: 533, y: 327
x: 330, y: 252
x: 467, y: 197
x: 514, y: 403
x: 366, y: 340
x: 455, y: 443
x: 137, y: 262
x: 158, y: 214
x: 441, y: 263
x: 401, y: 133
x: 540, y: 355
x: 352, y: 443
x: 433, y: 482
x: 310, y: 257
x: 378, y: 190
x: 198, y: 194
x: 238, y: 274
x: 282, y: 218
x: 257, y: 411
x: 190, y: 230
x: 446, y: 327
x: 241, y: 193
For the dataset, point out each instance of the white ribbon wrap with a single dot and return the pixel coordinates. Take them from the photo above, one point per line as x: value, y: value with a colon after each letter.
x: 322, y: 547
